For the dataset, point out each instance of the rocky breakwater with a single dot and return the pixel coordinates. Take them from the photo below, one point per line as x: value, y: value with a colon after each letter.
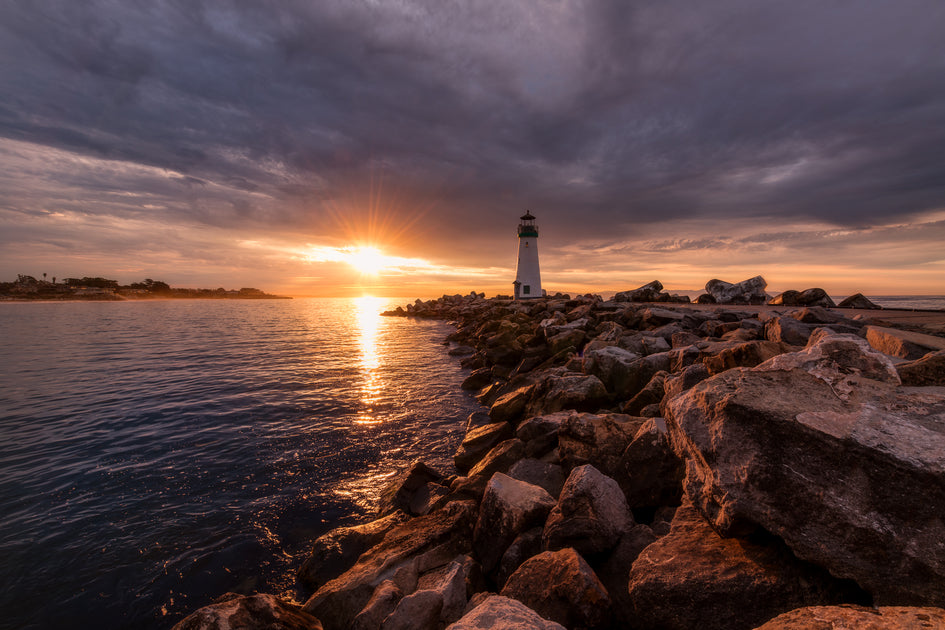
x: 653, y: 466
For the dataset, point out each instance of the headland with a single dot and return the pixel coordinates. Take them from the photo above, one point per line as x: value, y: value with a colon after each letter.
x: 29, y: 289
x: 651, y: 464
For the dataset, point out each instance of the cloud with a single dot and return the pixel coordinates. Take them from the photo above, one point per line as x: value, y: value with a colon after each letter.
x: 433, y: 126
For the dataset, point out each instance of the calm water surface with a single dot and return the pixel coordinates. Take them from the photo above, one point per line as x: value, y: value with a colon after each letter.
x: 154, y: 455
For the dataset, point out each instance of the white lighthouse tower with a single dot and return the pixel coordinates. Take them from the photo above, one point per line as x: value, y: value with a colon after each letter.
x: 527, y: 276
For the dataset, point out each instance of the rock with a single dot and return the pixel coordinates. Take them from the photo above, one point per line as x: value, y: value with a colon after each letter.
x: 902, y: 343
x: 653, y: 472
x: 417, y: 611
x: 449, y: 583
x: 746, y: 354
x: 540, y: 433
x: 542, y: 474
x: 814, y: 297
x: 822, y: 449
x: 461, y: 351
x: 426, y: 497
x: 336, y: 552
x: 612, y: 365
x: 614, y: 572
x: 382, y: 603
x: 688, y: 378
x: 858, y: 618
x: 478, y: 442
x: 577, y: 391
x: 815, y: 315
x: 398, y: 494
x: 647, y: 293
x: 477, y: 419
x: 598, y: 439
x: 407, y: 551
x: 509, y: 407
x: 694, y: 578
x: 502, y: 613
x: 857, y: 300
x: 469, y: 487
x: 525, y: 545
x: 500, y: 458
x: 787, y: 330
x: 561, y: 586
x: 751, y: 291
x: 568, y: 340
x: 478, y: 379
x: 591, y: 514
x: 705, y: 298
x: 655, y: 317
x: 684, y: 339
x: 929, y: 370
x: 652, y: 393
x: 249, y: 612
x: 788, y: 298
x: 509, y: 507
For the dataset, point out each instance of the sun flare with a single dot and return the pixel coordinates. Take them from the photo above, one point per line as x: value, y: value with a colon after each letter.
x: 368, y: 260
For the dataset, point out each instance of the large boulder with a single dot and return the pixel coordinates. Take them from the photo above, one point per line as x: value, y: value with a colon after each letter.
x: 561, y: 586
x: 814, y: 297
x: 904, y: 344
x: 382, y: 603
x: 503, y: 613
x: 857, y: 300
x: 787, y: 330
x: 652, y: 473
x: 440, y: 599
x: 858, y: 618
x: 649, y: 292
x: 612, y: 365
x: 570, y: 391
x: 745, y: 354
x: 750, y: 291
x: 338, y: 550
x: 825, y: 450
x: 408, y: 551
x: 509, y: 507
x: 500, y: 458
x: 929, y: 370
x: 399, y: 493
x: 542, y: 474
x: 591, y: 514
x: 249, y: 612
x: 694, y: 578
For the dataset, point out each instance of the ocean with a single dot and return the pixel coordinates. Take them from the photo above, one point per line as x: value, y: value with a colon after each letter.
x: 157, y: 454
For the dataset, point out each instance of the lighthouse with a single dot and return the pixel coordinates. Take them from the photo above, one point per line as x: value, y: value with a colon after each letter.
x: 527, y: 276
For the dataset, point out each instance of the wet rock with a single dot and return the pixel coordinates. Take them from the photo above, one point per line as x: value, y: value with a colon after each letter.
x: 478, y: 442
x: 822, y: 449
x: 654, y: 473
x: 902, y: 343
x: 509, y: 507
x: 249, y: 612
x: 500, y: 458
x: 857, y: 300
x: 461, y: 351
x: 503, y: 613
x: 858, y: 618
x: 694, y: 578
x: 562, y: 587
x: 409, y: 550
x: 591, y: 514
x: 399, y: 493
x: 478, y: 379
x: 382, y: 603
x: 750, y: 291
x: 927, y: 371
x: 542, y: 474
x: 336, y: 552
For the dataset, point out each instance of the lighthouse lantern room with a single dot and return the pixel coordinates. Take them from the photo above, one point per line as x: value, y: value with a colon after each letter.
x: 527, y: 275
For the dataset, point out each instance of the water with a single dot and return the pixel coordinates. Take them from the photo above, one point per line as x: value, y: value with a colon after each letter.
x: 910, y: 302
x: 155, y: 455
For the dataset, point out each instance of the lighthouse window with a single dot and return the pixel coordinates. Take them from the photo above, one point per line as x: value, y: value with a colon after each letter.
x: 526, y: 289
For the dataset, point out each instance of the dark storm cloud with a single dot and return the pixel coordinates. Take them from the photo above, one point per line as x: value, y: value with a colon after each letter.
x: 597, y: 115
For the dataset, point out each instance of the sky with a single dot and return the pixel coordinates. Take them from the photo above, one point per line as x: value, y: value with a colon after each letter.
x: 389, y: 147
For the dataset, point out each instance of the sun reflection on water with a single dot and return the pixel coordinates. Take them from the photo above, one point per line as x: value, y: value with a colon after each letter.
x: 368, y: 314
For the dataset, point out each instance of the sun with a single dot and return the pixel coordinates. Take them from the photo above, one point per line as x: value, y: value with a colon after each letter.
x: 368, y: 260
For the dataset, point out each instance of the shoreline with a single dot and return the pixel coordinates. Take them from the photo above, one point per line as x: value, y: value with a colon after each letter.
x: 613, y: 457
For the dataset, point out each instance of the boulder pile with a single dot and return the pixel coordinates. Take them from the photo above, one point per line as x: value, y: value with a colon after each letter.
x: 657, y: 466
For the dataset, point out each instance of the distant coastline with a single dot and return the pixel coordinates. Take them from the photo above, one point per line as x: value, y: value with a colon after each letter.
x: 29, y: 289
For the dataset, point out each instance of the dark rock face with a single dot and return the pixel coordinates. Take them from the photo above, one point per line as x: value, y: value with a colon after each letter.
x: 409, y: 550
x: 822, y: 449
x: 902, y: 343
x: 478, y: 442
x: 542, y: 474
x: 382, y: 603
x: 500, y: 458
x: 694, y: 578
x: 751, y: 291
x: 562, y: 587
x: 647, y: 293
x: 399, y: 493
x: 859, y: 617
x: 597, y: 439
x: 249, y: 612
x: 509, y: 507
x: 591, y: 514
x: 653, y: 472
x: 857, y: 300
x: 929, y: 370
x: 814, y: 297
x: 336, y: 552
